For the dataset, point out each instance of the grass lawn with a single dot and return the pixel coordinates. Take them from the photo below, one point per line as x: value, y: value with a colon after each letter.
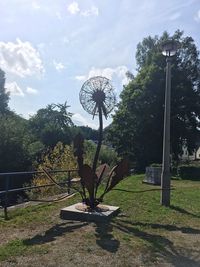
x: 143, y: 234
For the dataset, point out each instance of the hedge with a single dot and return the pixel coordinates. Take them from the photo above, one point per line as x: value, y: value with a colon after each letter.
x: 189, y: 172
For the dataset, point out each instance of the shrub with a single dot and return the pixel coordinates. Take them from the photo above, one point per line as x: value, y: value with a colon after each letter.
x: 190, y: 172
x: 156, y: 165
x: 108, y: 156
x: 61, y: 157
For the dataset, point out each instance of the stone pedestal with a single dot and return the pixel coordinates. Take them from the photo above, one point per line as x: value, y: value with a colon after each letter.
x: 71, y: 213
x: 153, y: 175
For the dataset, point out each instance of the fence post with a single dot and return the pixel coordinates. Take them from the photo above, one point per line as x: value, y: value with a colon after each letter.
x: 6, y: 203
x: 68, y: 182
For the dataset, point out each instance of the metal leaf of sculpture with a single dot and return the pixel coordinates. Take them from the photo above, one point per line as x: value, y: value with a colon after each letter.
x: 89, y: 179
x: 78, y: 149
x: 119, y: 172
x: 97, y: 93
x: 102, y: 171
x: 78, y: 144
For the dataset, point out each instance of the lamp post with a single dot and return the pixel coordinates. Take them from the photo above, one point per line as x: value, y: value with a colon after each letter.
x: 168, y: 49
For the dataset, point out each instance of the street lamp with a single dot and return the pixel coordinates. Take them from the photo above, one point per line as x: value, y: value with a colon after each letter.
x: 169, y: 49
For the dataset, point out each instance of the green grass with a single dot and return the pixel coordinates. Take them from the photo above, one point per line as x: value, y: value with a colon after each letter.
x: 33, y: 214
x: 141, y: 202
x: 143, y: 226
x: 19, y: 247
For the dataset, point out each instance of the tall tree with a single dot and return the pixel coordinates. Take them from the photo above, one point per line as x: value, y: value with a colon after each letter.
x: 52, y: 124
x: 14, y: 142
x: 137, y: 128
x: 4, y: 96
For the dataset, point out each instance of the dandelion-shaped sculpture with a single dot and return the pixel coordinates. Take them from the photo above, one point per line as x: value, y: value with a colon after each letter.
x: 97, y: 98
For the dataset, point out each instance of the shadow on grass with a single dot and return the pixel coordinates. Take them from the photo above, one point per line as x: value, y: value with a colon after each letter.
x: 103, y: 233
x: 104, y: 237
x: 183, y: 211
x: 54, y: 232
x: 162, y: 246
x: 168, y: 227
x: 135, y: 192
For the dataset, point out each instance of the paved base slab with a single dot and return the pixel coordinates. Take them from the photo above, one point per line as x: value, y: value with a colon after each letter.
x: 71, y: 213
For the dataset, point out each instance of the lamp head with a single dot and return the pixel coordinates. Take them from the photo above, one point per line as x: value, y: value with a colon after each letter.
x: 169, y: 48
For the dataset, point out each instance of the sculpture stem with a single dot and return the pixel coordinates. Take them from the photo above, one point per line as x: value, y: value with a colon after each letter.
x: 92, y: 197
x: 99, y: 140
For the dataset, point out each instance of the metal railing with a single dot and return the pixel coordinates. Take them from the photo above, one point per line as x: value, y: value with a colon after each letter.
x: 7, y: 178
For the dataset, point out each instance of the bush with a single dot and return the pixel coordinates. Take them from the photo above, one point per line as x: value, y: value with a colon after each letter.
x: 156, y: 165
x: 108, y: 156
x: 61, y: 157
x: 190, y: 172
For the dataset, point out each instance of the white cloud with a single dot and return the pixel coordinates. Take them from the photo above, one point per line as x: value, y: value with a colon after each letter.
x: 197, y: 17
x: 20, y: 58
x: 29, y: 114
x: 80, y: 120
x: 31, y: 91
x: 175, y: 16
x: 58, y: 66
x: 121, y: 73
x: 80, y: 77
x: 14, y: 89
x: 73, y: 8
x: 110, y: 73
x: 93, y: 11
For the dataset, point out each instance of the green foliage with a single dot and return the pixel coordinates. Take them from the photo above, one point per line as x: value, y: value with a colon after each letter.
x: 89, y: 149
x: 87, y: 132
x: 35, y: 150
x: 4, y: 96
x: 52, y: 124
x: 61, y: 157
x: 137, y: 128
x: 108, y: 155
x: 14, y: 142
x: 156, y: 165
x: 191, y: 172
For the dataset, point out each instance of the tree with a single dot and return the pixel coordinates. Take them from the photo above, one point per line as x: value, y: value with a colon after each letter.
x: 52, y: 124
x: 4, y: 96
x: 14, y: 142
x: 87, y: 132
x: 137, y: 128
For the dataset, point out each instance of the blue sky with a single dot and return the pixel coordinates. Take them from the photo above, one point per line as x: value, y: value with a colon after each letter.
x: 48, y: 48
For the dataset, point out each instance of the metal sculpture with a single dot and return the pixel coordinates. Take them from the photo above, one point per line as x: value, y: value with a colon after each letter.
x: 97, y: 98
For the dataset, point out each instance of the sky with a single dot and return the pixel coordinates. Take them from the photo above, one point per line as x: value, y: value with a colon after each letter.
x: 49, y: 48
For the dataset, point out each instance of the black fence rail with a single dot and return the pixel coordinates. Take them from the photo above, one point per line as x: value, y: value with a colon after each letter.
x: 5, y: 179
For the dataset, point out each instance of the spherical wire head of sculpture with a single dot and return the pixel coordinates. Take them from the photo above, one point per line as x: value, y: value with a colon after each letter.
x: 97, y: 93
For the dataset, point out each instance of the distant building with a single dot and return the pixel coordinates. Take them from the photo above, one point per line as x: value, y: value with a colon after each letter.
x: 194, y: 156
